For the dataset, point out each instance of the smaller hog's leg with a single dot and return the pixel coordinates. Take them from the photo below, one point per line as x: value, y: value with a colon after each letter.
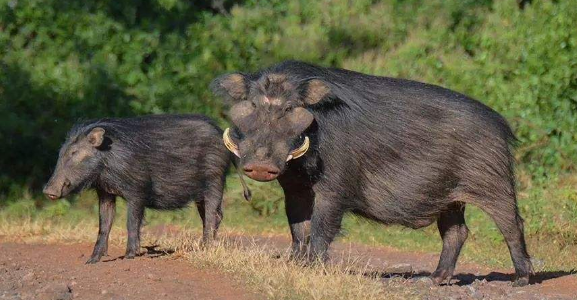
x: 107, y: 210
x: 134, y: 222
x: 325, y: 225
x: 454, y: 232
x: 200, y: 206
x: 212, y: 210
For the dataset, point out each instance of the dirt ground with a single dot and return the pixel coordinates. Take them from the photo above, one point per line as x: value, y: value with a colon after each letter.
x: 42, y: 271
x: 48, y: 272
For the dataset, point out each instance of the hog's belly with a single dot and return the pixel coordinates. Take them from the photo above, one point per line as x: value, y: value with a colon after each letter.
x: 412, y: 205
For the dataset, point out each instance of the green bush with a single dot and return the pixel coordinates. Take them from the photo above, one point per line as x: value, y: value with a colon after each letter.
x: 57, y: 209
x: 63, y: 61
x: 266, y: 199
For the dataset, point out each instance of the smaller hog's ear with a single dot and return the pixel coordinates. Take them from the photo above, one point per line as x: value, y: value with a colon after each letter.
x: 96, y: 136
x: 316, y: 91
x: 231, y: 86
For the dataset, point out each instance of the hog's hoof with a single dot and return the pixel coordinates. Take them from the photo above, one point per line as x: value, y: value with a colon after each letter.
x: 130, y: 255
x: 206, y: 244
x: 93, y: 260
x: 439, y: 276
x: 522, y: 281
x: 298, y: 257
x: 424, y: 281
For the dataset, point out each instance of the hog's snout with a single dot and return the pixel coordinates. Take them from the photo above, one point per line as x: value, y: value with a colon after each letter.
x: 261, y: 172
x: 54, y: 191
x: 52, y: 194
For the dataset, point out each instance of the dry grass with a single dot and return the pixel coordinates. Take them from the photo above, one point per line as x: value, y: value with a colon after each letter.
x: 278, y: 278
x: 255, y: 266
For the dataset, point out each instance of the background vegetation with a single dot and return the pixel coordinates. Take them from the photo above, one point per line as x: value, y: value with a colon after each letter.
x: 63, y: 61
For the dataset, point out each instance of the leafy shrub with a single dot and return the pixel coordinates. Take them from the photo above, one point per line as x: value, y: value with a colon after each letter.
x: 266, y: 198
x: 57, y: 209
x: 20, y: 209
x: 63, y: 61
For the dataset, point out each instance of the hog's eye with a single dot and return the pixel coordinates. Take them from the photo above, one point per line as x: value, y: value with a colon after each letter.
x: 288, y: 109
x: 253, y: 104
x: 74, y: 152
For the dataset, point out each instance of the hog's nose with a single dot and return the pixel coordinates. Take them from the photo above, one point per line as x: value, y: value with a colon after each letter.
x: 261, y: 172
x: 51, y: 191
x: 52, y: 197
x: 50, y: 194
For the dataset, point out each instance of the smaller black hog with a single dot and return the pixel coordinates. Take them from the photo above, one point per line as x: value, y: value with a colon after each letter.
x: 160, y: 162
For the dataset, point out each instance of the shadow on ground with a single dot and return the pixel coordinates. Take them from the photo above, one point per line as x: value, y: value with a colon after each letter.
x: 463, y: 279
x: 152, y: 251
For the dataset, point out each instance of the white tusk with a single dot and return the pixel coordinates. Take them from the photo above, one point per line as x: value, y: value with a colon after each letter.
x: 230, y: 145
x: 300, y: 151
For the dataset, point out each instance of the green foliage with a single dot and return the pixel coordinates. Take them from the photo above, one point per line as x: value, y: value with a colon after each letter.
x: 62, y: 61
x: 20, y: 209
x: 266, y: 200
x: 58, y: 209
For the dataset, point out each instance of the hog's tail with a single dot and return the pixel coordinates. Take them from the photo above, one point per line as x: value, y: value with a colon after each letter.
x: 245, y: 190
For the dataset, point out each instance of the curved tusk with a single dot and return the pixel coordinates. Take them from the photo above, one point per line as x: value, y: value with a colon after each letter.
x: 300, y: 151
x: 230, y: 145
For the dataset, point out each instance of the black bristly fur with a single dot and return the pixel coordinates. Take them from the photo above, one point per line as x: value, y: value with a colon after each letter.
x: 392, y: 150
x: 159, y: 161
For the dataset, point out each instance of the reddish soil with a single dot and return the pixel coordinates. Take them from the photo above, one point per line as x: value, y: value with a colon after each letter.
x: 58, y: 272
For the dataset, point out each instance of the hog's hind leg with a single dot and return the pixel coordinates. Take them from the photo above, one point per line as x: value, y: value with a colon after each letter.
x: 502, y: 207
x: 454, y: 232
x: 134, y: 223
x: 510, y: 224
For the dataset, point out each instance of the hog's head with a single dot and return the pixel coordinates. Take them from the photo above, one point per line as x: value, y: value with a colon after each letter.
x: 78, y: 163
x: 270, y: 115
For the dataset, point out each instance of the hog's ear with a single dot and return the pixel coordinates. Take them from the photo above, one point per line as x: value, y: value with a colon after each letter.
x: 96, y: 136
x: 316, y: 91
x: 230, y: 86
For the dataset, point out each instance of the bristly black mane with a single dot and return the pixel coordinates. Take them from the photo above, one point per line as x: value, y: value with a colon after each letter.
x: 363, y: 94
x: 129, y: 130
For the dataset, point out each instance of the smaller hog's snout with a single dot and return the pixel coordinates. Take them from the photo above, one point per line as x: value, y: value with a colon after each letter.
x: 50, y: 193
x: 53, y: 191
x: 261, y: 172
x: 51, y: 196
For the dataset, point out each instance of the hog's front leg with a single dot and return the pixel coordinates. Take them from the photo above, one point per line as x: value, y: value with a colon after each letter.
x: 107, y: 210
x: 299, y: 209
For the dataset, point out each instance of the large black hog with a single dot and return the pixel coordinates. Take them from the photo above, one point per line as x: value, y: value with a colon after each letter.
x: 394, y: 151
x: 159, y: 162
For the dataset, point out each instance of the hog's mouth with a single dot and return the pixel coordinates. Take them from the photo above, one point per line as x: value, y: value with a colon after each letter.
x: 294, y: 154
